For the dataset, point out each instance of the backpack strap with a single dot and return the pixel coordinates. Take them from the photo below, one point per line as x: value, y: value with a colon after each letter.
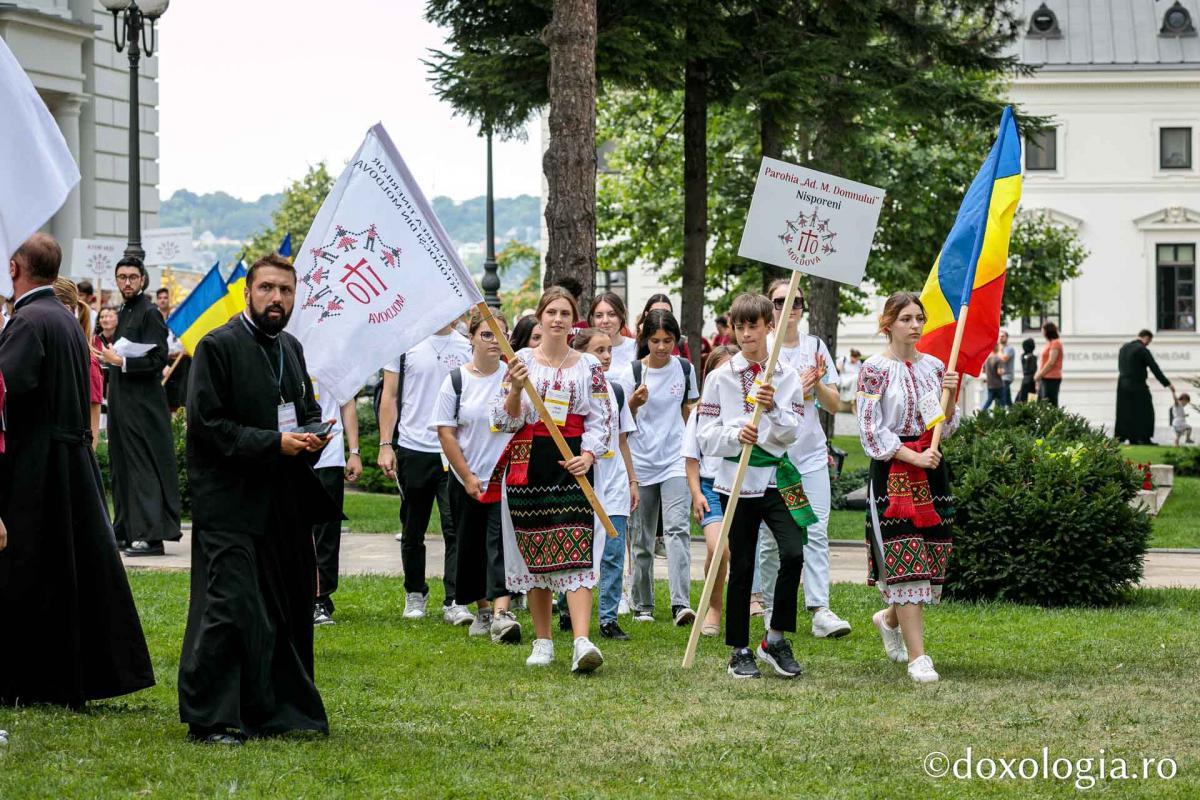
x: 456, y: 381
x: 687, y: 379
x: 637, y: 373
x: 400, y: 397
x: 619, y: 392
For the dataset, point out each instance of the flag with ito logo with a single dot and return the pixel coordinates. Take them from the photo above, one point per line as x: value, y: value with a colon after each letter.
x: 376, y: 273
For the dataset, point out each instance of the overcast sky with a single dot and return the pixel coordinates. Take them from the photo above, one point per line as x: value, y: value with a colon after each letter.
x: 251, y: 93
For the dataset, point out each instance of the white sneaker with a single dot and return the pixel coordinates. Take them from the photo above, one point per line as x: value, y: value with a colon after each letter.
x: 643, y: 616
x: 542, y: 655
x: 921, y: 670
x: 893, y: 639
x: 414, y: 605
x: 684, y: 616
x: 828, y: 625
x: 399, y: 537
x: 505, y: 629
x: 623, y: 606
x: 457, y: 615
x: 587, y: 656
x: 481, y: 625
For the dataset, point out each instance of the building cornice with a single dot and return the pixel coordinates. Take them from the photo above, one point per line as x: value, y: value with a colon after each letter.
x: 10, y: 13
x: 1171, y: 218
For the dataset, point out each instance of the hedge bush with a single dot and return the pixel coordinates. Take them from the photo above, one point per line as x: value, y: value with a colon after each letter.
x: 372, y: 478
x: 1043, y: 512
x: 1186, y: 461
x: 844, y: 484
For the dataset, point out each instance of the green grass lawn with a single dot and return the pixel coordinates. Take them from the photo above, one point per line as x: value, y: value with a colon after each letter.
x: 418, y: 710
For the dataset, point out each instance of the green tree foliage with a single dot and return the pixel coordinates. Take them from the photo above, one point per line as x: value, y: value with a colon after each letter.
x: 1042, y: 256
x: 301, y: 201
x: 221, y: 213
x: 517, y: 258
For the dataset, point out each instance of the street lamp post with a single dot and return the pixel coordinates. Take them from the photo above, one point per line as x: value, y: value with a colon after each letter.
x: 491, y: 276
x: 129, y: 30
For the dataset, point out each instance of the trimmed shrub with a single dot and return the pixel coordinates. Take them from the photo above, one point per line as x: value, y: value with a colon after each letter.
x: 844, y: 484
x: 372, y: 478
x: 179, y: 430
x: 1043, y: 514
x: 1185, y: 461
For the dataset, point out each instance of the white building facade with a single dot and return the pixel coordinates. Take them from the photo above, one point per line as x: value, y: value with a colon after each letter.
x: 66, y: 49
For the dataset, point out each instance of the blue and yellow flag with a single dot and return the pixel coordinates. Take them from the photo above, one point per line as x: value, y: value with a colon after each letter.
x: 970, y: 270
x: 235, y: 296
x: 202, y: 311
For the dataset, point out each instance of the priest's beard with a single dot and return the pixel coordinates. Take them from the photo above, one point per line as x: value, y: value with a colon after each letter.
x: 270, y: 325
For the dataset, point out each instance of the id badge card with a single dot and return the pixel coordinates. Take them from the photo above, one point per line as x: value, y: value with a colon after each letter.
x: 752, y: 395
x: 558, y: 401
x: 930, y: 406
x: 286, y: 413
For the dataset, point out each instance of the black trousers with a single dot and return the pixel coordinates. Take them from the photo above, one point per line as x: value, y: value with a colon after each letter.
x: 480, y: 573
x: 423, y: 480
x: 743, y: 548
x: 1049, y: 390
x: 327, y: 537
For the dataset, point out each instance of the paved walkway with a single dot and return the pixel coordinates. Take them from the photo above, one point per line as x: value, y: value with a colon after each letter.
x: 379, y: 554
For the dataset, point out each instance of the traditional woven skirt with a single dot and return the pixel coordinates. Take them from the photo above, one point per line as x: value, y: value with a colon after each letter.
x: 551, y: 539
x: 913, y: 560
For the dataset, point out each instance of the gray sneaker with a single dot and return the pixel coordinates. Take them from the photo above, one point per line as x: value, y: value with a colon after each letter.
x: 414, y: 605
x: 506, y: 629
x: 457, y: 615
x: 482, y: 625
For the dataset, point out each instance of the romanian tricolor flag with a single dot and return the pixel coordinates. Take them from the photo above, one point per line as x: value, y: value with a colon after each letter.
x: 969, y: 272
x: 202, y: 311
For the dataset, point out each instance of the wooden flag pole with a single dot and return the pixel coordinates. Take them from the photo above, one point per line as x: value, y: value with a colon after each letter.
x: 947, y: 397
x: 174, y: 364
x: 710, y: 579
x: 547, y: 420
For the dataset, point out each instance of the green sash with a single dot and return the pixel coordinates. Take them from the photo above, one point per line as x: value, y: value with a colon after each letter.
x: 789, y: 483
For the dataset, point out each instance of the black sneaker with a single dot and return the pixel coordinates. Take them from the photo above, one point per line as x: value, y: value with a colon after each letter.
x: 611, y: 630
x: 779, y: 656
x: 741, y: 664
x: 683, y: 616
x: 564, y: 623
x: 144, y: 548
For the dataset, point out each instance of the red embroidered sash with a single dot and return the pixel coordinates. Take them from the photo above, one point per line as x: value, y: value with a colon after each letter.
x: 522, y: 445
x: 909, y: 496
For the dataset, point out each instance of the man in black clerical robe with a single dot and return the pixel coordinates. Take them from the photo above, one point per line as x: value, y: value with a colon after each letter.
x: 141, y: 447
x: 69, y: 631
x: 1135, y: 408
x: 247, y: 662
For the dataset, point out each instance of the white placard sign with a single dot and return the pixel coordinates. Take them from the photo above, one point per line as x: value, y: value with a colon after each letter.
x: 95, y: 259
x: 810, y: 221
x: 168, y: 246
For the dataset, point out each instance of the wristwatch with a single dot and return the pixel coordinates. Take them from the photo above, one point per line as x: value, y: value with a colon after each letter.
x: 354, y: 451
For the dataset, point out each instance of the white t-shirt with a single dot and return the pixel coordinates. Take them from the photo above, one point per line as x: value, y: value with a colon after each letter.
x: 623, y: 354
x: 425, y: 367
x: 657, y: 447
x: 810, y: 452
x: 334, y: 454
x: 612, y: 479
x: 481, y: 445
x: 691, y: 449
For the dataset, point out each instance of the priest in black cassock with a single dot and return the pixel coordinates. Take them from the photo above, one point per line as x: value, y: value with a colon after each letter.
x: 69, y: 631
x: 247, y: 662
x: 141, y: 446
x: 1135, y: 408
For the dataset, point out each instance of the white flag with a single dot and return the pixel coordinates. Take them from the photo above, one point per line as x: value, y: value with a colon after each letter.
x: 37, y: 171
x: 377, y: 272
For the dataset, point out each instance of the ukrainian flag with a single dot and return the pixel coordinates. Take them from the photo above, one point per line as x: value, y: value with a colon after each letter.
x: 235, y: 297
x: 202, y: 311
x: 970, y: 270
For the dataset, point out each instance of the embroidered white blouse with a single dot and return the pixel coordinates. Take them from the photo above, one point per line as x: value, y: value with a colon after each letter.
x: 889, y: 393
x: 724, y: 410
x: 589, y: 397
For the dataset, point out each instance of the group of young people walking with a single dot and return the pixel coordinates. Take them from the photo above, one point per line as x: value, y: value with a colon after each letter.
x: 660, y: 445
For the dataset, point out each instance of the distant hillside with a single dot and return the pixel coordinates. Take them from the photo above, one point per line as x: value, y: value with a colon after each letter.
x: 231, y: 218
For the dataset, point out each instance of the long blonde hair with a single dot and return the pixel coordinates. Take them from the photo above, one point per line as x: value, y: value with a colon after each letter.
x: 68, y: 294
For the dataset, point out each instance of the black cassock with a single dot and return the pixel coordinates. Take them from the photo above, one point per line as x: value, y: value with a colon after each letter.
x: 1135, y: 408
x: 69, y: 630
x: 141, y: 447
x: 247, y: 659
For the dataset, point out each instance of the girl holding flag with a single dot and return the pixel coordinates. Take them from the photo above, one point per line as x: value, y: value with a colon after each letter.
x: 551, y: 540
x: 910, y: 507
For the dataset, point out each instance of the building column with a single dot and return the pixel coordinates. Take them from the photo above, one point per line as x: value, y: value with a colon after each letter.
x: 67, y: 224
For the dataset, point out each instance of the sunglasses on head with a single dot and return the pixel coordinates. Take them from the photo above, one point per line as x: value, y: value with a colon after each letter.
x: 797, y: 303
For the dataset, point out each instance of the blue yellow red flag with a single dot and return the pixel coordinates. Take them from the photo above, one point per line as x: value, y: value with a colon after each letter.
x: 201, y: 311
x: 970, y: 270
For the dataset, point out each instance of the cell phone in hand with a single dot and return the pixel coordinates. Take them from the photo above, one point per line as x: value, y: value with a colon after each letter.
x: 321, y: 429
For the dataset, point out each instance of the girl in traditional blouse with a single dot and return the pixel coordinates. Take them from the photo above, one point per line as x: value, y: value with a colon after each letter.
x: 909, y: 505
x: 551, y: 540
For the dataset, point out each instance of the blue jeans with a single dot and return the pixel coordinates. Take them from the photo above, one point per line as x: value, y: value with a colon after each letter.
x: 612, y: 571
